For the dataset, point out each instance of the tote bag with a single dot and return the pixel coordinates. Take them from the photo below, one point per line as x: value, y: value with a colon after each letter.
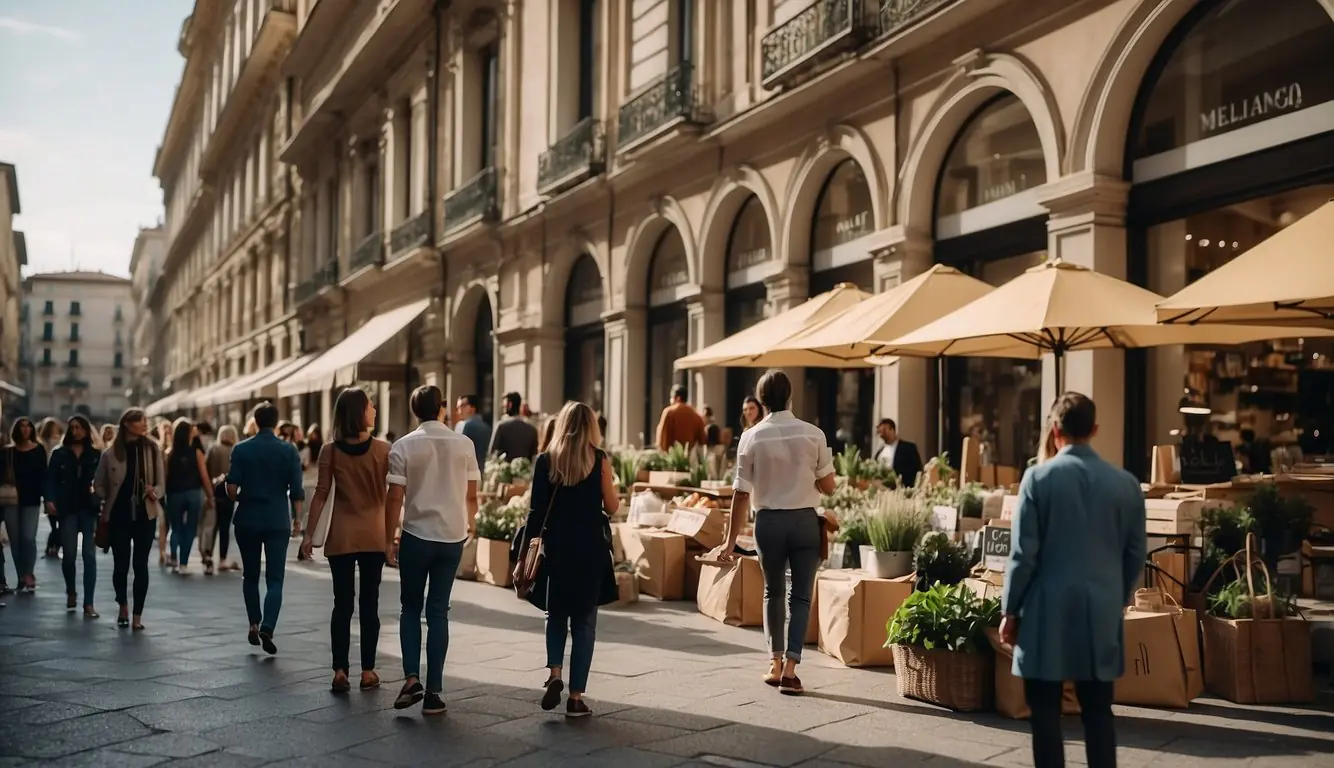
x: 9, y: 492
x: 321, y: 532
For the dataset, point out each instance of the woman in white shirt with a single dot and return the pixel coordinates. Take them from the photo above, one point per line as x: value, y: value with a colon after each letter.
x: 783, y: 465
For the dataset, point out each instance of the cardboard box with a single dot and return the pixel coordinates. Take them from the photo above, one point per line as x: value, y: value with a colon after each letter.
x: 732, y: 594
x: 855, y: 609
x: 668, y: 479
x: 1010, y: 698
x: 617, y: 546
x: 986, y: 585
x: 813, y: 625
x: 997, y: 476
x: 1175, y: 516
x: 705, y: 525
x: 493, y: 562
x: 693, y: 570
x: 658, y: 558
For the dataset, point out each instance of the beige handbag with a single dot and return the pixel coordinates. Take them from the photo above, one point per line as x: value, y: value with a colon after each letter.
x: 9, y: 492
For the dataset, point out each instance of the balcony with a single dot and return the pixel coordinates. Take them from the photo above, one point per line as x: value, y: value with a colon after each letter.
x: 819, y: 33
x: 472, y: 201
x: 897, y: 15
x: 368, y: 253
x: 669, y: 100
x: 576, y: 156
x: 324, y: 277
x: 413, y: 233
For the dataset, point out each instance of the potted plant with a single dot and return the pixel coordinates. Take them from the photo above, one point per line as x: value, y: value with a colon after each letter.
x: 893, y: 527
x: 845, y: 551
x: 937, y: 560
x: 675, y: 468
x: 969, y: 501
x: 1281, y: 522
x: 1223, y: 531
x: 496, y: 525
x: 941, y: 654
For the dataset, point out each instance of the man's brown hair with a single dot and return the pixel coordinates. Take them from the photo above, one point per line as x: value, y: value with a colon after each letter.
x: 775, y: 391
x: 1075, y: 415
x: 426, y: 402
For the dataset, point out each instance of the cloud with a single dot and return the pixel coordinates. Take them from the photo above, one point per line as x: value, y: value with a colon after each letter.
x: 20, y: 27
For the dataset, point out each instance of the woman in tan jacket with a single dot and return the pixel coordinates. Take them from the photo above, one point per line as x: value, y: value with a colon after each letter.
x: 130, y: 482
x: 360, y: 533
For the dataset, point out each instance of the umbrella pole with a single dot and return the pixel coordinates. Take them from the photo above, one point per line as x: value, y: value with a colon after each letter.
x: 940, y: 405
x: 1059, y: 355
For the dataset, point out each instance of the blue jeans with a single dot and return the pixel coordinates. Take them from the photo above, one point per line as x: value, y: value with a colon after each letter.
x: 183, y: 508
x: 21, y: 524
x: 421, y: 561
x: 70, y: 528
x: 273, y: 546
x: 787, y: 538
x: 583, y: 630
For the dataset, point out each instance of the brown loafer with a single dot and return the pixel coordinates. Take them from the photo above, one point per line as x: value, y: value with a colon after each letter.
x: 369, y: 680
x: 774, y: 676
x: 791, y: 686
x: 340, y: 683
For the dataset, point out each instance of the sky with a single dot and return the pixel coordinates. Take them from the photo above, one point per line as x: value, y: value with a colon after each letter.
x: 85, y: 87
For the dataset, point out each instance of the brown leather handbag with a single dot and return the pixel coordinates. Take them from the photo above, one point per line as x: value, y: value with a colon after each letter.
x: 530, y: 561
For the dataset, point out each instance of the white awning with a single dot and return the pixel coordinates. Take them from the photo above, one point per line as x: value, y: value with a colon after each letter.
x: 168, y: 404
x: 266, y: 386
x: 12, y: 389
x: 338, y: 366
x: 240, y: 388
x: 194, y: 399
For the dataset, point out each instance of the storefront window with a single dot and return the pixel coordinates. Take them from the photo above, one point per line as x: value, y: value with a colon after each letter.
x: 748, y: 244
x: 668, y: 326
x: 748, y: 252
x: 998, y: 155
x: 1242, y: 63
x: 1273, y: 400
x: 484, y: 350
x: 585, y: 345
x: 843, y: 214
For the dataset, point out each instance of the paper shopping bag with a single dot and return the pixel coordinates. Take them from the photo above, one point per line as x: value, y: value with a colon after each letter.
x: 732, y: 593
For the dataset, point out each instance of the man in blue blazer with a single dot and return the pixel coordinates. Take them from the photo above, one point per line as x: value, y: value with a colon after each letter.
x: 1078, y: 551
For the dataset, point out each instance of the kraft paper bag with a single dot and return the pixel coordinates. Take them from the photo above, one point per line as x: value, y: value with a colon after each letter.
x: 706, y: 526
x: 493, y: 562
x: 617, y: 545
x: 732, y: 594
x: 658, y: 558
x: 1162, y: 659
x: 468, y: 565
x: 627, y: 588
x: 693, y: 569
x: 1010, y: 698
x: 1259, y: 661
x: 812, y: 626
x: 854, y: 611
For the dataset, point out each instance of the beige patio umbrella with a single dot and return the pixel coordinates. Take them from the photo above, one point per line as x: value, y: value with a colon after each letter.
x: 1058, y: 308
x: 1288, y: 279
x: 756, y: 346
x: 889, y: 315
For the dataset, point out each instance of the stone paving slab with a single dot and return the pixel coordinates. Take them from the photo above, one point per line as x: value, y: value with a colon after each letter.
x: 670, y: 688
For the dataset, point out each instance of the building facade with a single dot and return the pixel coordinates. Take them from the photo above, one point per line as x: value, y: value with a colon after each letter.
x: 147, y: 369
x: 13, y: 257
x: 221, y: 299
x: 77, y: 336
x: 562, y: 198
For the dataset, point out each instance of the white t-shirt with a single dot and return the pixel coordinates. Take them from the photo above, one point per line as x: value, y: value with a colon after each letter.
x: 779, y: 460
x: 434, y: 463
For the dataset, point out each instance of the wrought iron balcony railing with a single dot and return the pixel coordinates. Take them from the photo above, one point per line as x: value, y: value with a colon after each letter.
x: 413, y: 233
x: 305, y: 290
x: 898, y: 14
x: 672, y: 97
x: 324, y: 276
x: 473, y: 200
x: 368, y: 253
x: 822, y: 30
x: 574, y: 157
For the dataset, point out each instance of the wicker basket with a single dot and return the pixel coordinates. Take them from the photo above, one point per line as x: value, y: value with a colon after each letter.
x: 964, y: 682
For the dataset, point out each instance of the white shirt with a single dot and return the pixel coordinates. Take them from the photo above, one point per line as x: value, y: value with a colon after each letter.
x: 779, y: 460
x: 887, y: 453
x: 434, y: 463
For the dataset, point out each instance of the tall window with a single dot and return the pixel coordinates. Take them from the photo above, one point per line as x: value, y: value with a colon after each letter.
x: 331, y: 206
x: 74, y: 308
x: 46, y: 356
x: 48, y: 331
x: 587, y: 57
x: 371, y: 214
x: 73, y: 331
x: 73, y: 357
x: 490, y: 83
x: 685, y: 31
x: 119, y: 361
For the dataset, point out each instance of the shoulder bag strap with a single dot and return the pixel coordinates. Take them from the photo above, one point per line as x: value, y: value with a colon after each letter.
x: 9, y: 466
x: 555, y: 489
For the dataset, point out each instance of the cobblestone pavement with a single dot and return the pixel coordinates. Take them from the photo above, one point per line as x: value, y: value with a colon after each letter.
x: 670, y: 688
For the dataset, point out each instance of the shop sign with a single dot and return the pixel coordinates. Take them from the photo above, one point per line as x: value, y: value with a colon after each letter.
x: 995, y: 547
x: 1004, y: 189
x: 852, y: 227
x: 1287, y: 98
x: 749, y: 258
x: 1205, y: 463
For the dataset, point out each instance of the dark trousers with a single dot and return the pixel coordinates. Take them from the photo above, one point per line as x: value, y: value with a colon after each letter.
x: 272, y: 545
x: 582, y: 629
x: 421, y: 562
x: 787, y: 538
x: 1095, y: 704
x: 53, y: 539
x: 71, y: 526
x: 344, y: 569
x: 225, y: 508
x: 131, y: 541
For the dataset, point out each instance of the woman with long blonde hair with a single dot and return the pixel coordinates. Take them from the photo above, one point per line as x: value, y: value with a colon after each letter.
x: 574, y: 495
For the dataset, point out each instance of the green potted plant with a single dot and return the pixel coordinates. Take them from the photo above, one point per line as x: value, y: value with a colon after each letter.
x: 496, y: 524
x: 1223, y: 530
x: 845, y: 550
x: 1281, y: 522
x: 894, y: 526
x: 941, y: 655
x: 937, y: 560
x: 969, y: 501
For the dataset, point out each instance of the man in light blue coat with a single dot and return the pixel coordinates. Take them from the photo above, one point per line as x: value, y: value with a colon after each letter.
x: 1078, y: 551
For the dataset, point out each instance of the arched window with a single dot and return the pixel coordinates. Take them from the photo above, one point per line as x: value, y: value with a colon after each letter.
x: 748, y: 260
x: 997, y: 156
x: 748, y: 244
x: 668, y: 326
x: 668, y: 270
x: 585, y: 347
x: 843, y: 214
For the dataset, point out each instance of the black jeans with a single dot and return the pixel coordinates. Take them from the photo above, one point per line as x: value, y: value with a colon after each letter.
x: 344, y: 568
x: 1095, y: 704
x: 131, y: 539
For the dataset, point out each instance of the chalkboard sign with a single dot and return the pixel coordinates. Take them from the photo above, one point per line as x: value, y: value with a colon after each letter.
x: 995, y: 547
x: 1203, y: 463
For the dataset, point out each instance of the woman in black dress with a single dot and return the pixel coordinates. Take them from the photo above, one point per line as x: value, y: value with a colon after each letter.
x: 70, y: 499
x: 574, y: 493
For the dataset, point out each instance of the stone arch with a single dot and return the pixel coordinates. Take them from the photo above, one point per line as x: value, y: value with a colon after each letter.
x: 730, y: 192
x: 559, y: 267
x: 666, y: 212
x: 820, y: 158
x: 1102, y: 125
x: 979, y: 77
x: 467, y: 301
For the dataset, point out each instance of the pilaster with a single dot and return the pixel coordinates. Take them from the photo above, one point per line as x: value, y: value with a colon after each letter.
x: 784, y: 291
x: 705, y: 321
x: 417, y: 200
x: 627, y: 338
x: 907, y: 391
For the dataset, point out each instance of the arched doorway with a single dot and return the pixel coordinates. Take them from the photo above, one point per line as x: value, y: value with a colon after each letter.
x: 484, y: 352
x: 989, y: 224
x: 842, y: 399
x: 749, y: 254
x: 668, y: 326
x: 585, y: 344
x: 1231, y: 140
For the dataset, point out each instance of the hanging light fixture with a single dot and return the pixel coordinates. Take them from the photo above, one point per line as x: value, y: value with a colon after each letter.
x: 1192, y: 404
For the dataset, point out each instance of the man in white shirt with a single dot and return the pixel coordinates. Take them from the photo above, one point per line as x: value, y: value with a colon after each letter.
x: 783, y: 465
x: 433, y: 478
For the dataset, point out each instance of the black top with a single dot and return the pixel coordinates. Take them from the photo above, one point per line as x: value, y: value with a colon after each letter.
x: 578, y: 552
x: 183, y: 471
x: 69, y: 481
x: 28, y: 475
x: 353, y: 449
x: 515, y: 438
x: 126, y: 506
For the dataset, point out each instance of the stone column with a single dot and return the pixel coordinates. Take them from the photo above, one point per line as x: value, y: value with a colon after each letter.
x: 420, y: 158
x: 1166, y: 365
x: 358, y: 191
x: 786, y: 290
x: 627, y: 338
x: 907, y: 391
x: 545, y: 389
x: 708, y: 386
x: 1087, y: 227
x: 389, y: 170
